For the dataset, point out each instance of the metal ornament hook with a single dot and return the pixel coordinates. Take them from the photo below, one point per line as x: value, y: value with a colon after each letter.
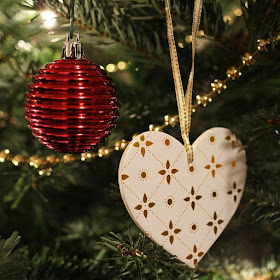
x: 74, y: 49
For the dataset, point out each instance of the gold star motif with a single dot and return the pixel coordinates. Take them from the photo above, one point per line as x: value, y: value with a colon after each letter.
x: 193, y: 198
x: 235, y: 191
x: 140, y: 206
x: 171, y: 232
x: 195, y: 255
x: 167, y: 172
x: 213, y: 166
x: 215, y: 222
x: 138, y: 144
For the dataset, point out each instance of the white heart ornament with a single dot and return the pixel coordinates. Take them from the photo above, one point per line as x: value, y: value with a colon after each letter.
x: 183, y: 207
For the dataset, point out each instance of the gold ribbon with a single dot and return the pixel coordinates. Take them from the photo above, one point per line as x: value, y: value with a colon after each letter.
x: 184, y: 101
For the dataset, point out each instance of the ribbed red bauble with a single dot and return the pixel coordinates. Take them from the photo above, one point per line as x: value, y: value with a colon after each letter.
x: 72, y: 105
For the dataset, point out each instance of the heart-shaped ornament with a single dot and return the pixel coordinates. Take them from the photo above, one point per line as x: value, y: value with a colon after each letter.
x: 183, y: 207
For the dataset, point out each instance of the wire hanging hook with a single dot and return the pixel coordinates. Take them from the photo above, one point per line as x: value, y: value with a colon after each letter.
x: 72, y: 19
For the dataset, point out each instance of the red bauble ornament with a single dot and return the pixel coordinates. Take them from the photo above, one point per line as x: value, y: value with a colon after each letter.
x: 71, y: 106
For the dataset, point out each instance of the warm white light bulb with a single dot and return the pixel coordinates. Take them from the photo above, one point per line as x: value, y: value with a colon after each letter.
x: 111, y: 67
x: 122, y: 65
x: 49, y: 19
x: 238, y: 12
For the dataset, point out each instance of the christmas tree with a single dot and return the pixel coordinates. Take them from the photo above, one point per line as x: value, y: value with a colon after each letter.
x: 61, y: 215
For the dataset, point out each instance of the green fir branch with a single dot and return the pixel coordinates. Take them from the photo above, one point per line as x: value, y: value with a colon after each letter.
x: 138, y: 25
x: 14, y: 263
x: 144, y: 256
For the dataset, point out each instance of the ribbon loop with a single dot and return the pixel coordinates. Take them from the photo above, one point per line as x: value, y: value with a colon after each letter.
x: 184, y: 101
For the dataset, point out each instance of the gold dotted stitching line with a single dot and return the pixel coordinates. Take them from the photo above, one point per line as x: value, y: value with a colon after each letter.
x: 162, y: 179
x: 165, y: 226
x: 204, y: 210
x: 138, y: 139
x: 203, y: 181
x: 155, y: 157
x: 131, y: 159
x: 203, y: 154
x: 131, y: 191
x: 148, y: 133
x: 140, y: 212
x: 180, y: 183
x: 183, y: 243
x: 230, y: 198
x: 205, y: 238
x: 183, y: 212
x: 178, y: 157
x: 166, y: 239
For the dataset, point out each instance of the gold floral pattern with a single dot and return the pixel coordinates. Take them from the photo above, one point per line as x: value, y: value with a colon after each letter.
x: 166, y: 142
x: 171, y: 232
x: 143, y: 206
x: 143, y: 174
x: 193, y: 227
x: 235, y: 191
x: 177, y: 196
x: 233, y: 139
x: 142, y: 144
x: 193, y: 198
x: 124, y: 177
x: 191, y: 169
x: 167, y: 172
x: 170, y: 201
x: 213, y: 166
x: 214, y: 194
x: 195, y: 255
x: 215, y: 222
x: 212, y: 139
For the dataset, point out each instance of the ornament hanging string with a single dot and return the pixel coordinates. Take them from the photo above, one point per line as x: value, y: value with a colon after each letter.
x: 72, y: 18
x: 184, y: 101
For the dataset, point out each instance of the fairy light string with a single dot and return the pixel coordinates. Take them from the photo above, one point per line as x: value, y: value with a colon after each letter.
x: 44, y: 166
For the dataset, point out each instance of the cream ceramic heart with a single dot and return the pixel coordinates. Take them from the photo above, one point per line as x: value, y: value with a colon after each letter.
x: 183, y: 207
